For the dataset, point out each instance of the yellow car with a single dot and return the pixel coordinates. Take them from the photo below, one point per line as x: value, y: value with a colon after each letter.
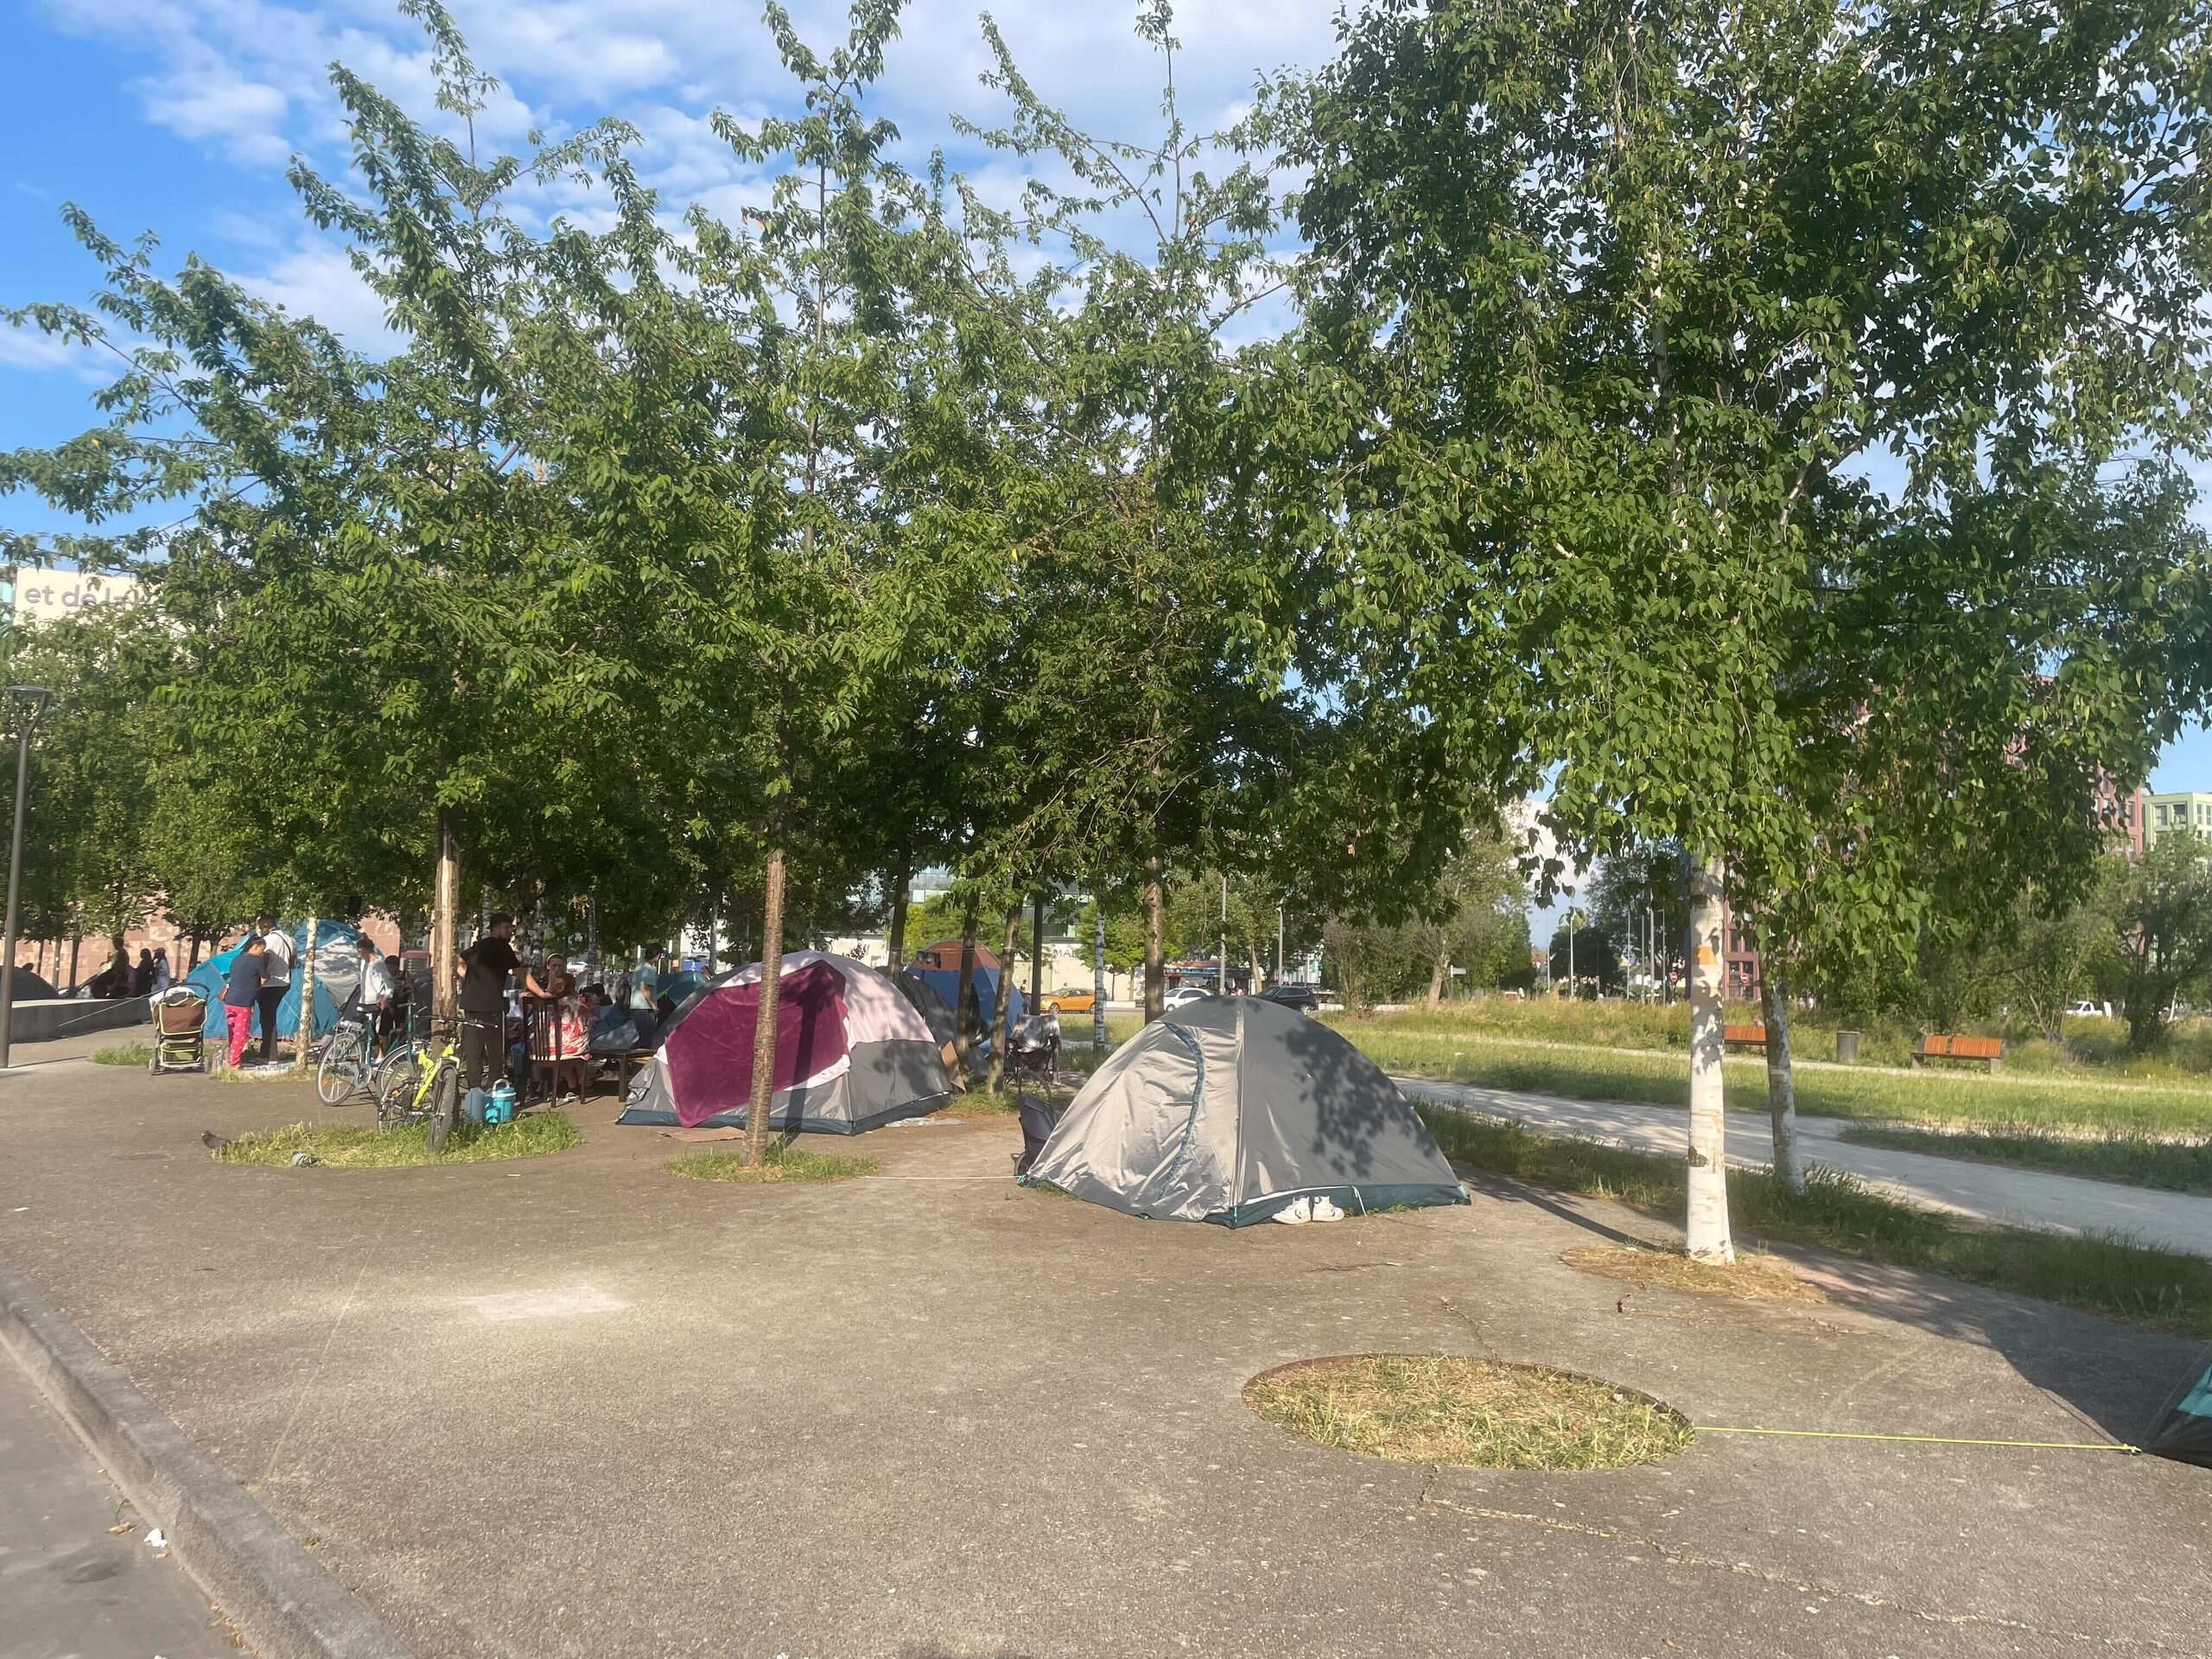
x: 1068, y: 1002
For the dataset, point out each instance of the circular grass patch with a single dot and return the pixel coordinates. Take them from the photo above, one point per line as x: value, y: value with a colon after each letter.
x: 353, y: 1146
x: 1443, y: 1408
x: 782, y: 1163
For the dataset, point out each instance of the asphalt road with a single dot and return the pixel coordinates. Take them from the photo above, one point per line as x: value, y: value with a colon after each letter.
x: 2066, y: 1204
x: 72, y: 1588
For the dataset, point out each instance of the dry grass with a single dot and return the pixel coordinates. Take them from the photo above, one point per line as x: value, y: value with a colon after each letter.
x: 782, y: 1163
x: 1754, y: 1278
x: 1443, y: 1408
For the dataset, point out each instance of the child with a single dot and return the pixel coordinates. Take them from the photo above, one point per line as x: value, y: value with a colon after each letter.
x: 239, y: 992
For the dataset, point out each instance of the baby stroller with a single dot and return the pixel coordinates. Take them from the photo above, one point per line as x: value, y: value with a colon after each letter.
x: 180, y: 1031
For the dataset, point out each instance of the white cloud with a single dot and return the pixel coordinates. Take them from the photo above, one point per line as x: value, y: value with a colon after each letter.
x: 44, y: 353
x: 316, y: 279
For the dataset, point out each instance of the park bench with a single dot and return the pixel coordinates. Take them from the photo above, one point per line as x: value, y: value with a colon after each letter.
x: 1935, y: 1045
x: 1744, y: 1037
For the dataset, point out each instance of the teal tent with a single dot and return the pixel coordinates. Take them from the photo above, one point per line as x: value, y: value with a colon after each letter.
x: 335, y: 942
x: 2184, y: 1431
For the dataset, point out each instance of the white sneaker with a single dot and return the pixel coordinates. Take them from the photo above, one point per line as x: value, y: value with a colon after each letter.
x: 1296, y: 1210
x: 1325, y: 1209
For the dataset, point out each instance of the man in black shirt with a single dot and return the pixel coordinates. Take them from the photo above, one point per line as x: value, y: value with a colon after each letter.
x: 484, y: 969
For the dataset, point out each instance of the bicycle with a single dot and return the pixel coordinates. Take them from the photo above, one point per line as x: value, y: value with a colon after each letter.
x: 348, y: 1064
x: 423, y: 1086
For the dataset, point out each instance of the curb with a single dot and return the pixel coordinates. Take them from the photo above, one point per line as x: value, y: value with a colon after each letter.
x: 282, y: 1600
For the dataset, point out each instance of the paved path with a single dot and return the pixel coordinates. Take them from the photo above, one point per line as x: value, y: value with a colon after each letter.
x: 2065, y: 1204
x: 70, y: 1586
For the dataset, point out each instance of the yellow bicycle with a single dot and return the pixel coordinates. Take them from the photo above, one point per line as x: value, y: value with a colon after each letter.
x: 424, y: 1087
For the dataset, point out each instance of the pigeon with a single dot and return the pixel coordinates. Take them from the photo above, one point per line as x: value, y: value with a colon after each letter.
x: 211, y: 1140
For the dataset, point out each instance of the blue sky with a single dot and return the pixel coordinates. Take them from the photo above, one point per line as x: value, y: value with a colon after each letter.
x: 179, y: 117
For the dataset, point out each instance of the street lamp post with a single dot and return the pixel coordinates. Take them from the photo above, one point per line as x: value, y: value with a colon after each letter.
x: 33, y: 700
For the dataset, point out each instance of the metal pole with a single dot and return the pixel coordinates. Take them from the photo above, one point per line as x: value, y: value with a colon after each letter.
x: 1221, y: 978
x: 1098, y: 979
x: 1571, y: 993
x: 1278, y: 945
x: 33, y: 698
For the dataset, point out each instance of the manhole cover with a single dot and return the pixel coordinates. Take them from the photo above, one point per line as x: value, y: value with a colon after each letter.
x: 1443, y: 1408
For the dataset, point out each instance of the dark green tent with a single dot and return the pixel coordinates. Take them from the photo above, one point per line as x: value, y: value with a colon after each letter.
x: 2184, y: 1430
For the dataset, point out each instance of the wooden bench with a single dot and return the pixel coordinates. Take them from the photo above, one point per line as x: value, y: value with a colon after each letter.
x: 1744, y: 1037
x: 1935, y: 1046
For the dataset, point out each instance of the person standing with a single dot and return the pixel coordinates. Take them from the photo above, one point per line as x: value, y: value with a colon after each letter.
x: 644, y: 981
x: 484, y: 967
x: 163, y: 976
x: 241, y: 991
x: 376, y: 988
x: 276, y: 953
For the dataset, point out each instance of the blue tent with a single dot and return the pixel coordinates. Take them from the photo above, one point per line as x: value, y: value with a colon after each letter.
x: 207, y: 979
x: 945, y: 982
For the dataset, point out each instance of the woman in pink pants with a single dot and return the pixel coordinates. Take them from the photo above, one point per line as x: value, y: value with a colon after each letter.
x: 239, y: 989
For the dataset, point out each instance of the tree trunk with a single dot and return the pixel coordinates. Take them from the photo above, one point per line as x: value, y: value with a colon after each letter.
x: 1155, y: 940
x: 445, y: 917
x: 303, y: 1029
x: 903, y: 881
x: 1036, y: 951
x: 771, y: 994
x: 1780, y: 1082
x: 75, y: 944
x: 1437, y: 971
x: 963, y: 1026
x: 195, y: 963
x: 1258, y: 968
x: 1706, y: 1234
x: 1002, y: 1004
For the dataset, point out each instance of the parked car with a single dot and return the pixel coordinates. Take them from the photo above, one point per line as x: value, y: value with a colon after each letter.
x: 1068, y: 1002
x: 1183, y: 995
x: 2088, y: 1010
x: 1301, y: 997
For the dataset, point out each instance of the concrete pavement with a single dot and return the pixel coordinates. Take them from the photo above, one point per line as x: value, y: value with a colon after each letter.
x: 576, y: 1406
x: 2021, y: 1198
x: 72, y: 1588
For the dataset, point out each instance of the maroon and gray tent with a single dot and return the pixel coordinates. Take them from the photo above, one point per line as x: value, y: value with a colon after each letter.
x: 851, y: 1053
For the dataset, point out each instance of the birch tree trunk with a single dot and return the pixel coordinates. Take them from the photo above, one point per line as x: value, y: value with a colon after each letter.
x: 303, y: 1028
x: 445, y: 908
x: 1099, y: 979
x: 771, y: 994
x: 1155, y: 940
x: 1707, y: 1233
x: 963, y: 1028
x: 902, y: 886
x: 1437, y: 970
x: 1036, y: 951
x: 1780, y: 1082
x: 1003, y: 1003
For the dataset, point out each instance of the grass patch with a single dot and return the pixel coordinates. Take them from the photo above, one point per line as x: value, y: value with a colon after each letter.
x: 784, y: 1162
x: 350, y: 1146
x: 1441, y: 1408
x: 126, y: 1054
x: 1754, y: 1278
x: 1662, y: 1080
x: 2166, y: 1290
x: 2139, y: 1161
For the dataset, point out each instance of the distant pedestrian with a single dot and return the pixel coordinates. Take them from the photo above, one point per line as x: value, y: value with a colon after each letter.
x: 241, y: 991
x: 142, y: 976
x: 276, y: 953
x: 163, y: 978
x: 645, y: 981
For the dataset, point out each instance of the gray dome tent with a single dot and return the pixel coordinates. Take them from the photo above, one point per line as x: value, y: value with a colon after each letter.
x: 1232, y: 1108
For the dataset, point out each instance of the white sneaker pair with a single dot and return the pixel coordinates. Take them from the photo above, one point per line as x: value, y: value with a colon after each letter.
x: 1309, y: 1209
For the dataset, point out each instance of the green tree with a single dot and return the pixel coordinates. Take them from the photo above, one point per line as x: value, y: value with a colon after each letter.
x: 2158, y: 952
x: 1633, y: 291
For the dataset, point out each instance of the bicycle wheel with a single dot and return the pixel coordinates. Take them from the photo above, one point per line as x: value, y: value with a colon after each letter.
x: 343, y: 1068
x: 445, y: 1105
x: 395, y: 1097
x: 399, y: 1057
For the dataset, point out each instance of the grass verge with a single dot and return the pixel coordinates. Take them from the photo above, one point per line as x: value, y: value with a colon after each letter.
x: 1753, y: 1278
x: 2170, y: 1165
x: 1441, y: 1408
x: 2166, y: 1290
x: 1662, y: 1079
x: 784, y: 1162
x: 351, y: 1146
x: 127, y: 1054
